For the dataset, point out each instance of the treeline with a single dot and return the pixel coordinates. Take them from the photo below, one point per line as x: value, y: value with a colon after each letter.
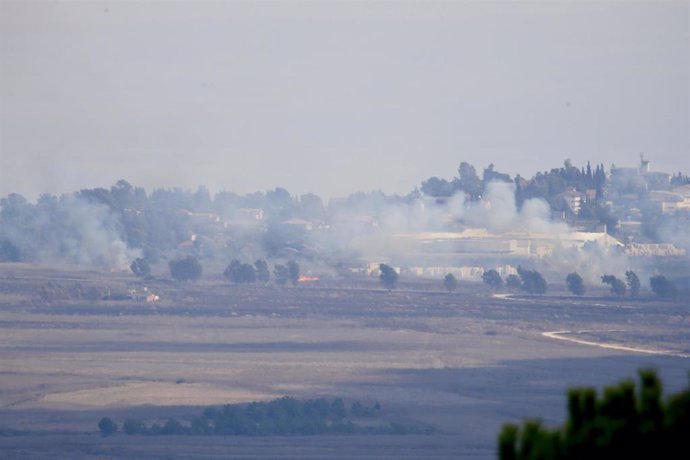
x: 546, y: 185
x: 283, y: 416
x: 94, y: 226
x: 532, y: 282
x: 623, y: 422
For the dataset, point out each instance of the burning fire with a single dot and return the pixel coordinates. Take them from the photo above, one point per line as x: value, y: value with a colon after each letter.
x: 303, y: 278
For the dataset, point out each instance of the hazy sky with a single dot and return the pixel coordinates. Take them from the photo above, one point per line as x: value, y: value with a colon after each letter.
x: 332, y: 97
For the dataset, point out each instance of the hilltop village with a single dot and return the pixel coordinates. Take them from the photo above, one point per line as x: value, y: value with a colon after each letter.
x: 570, y: 218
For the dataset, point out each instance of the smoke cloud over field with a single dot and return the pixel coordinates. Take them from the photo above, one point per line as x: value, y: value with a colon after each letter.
x: 498, y: 212
x: 68, y: 228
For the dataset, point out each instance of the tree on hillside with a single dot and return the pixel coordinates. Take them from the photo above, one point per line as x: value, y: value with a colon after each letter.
x: 281, y: 274
x: 388, y: 276
x: 575, y: 283
x: 470, y: 182
x: 239, y: 272
x: 185, y: 269
x: 107, y: 426
x: 450, y: 283
x: 621, y: 423
x: 663, y: 287
x: 532, y: 281
x: 262, y: 273
x: 633, y: 283
x: 492, y: 279
x: 617, y: 286
x: 141, y: 268
x: 513, y: 282
x: 293, y: 272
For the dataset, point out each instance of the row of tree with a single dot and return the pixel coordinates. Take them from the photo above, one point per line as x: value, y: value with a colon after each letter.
x: 189, y: 268
x: 246, y: 273
x: 283, y: 416
x: 660, y: 285
x: 533, y: 282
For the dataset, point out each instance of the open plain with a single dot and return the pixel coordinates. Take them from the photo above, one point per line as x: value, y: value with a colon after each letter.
x: 465, y: 362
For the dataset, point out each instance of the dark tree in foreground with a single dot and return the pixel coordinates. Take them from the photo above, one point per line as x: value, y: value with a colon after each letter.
x: 388, y: 276
x: 107, y: 426
x: 450, y: 283
x: 513, y: 282
x: 575, y: 283
x: 185, y: 269
x: 141, y: 268
x: 492, y: 279
x: 663, y: 287
x: 262, y: 273
x: 281, y: 274
x: 532, y: 281
x: 622, y: 423
x: 617, y: 286
x: 633, y: 283
x: 293, y: 272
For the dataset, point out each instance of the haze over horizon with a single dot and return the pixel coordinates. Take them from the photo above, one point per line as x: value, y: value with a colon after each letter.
x: 334, y: 97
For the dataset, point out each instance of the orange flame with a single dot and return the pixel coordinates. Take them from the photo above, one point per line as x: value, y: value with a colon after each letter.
x: 303, y: 278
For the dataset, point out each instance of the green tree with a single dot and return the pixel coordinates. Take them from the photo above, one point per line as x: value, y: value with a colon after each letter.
x: 388, y: 276
x: 621, y: 423
x: 663, y: 287
x: 513, y: 282
x: 262, y: 273
x: 293, y: 272
x: 617, y: 286
x: 575, y: 283
x: 239, y: 272
x: 450, y: 283
x: 633, y: 283
x: 492, y: 279
x: 532, y: 281
x: 185, y: 269
x: 141, y: 268
x: 281, y: 274
x: 107, y: 426
x: 134, y: 426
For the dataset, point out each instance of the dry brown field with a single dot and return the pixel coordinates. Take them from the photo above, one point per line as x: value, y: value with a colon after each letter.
x: 465, y: 362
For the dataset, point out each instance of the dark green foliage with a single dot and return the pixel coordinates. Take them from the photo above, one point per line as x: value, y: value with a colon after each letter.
x: 663, y: 287
x: 450, y: 283
x: 134, y: 426
x: 239, y: 272
x: 531, y: 280
x: 281, y: 274
x: 262, y: 273
x: 437, y: 187
x: 492, y: 279
x: 388, y: 276
x: 513, y: 282
x: 633, y: 283
x: 107, y: 426
x: 575, y: 284
x: 622, y: 423
x: 141, y: 268
x: 360, y: 410
x: 617, y: 286
x: 293, y: 272
x: 470, y: 183
x: 185, y: 269
x: 284, y: 416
